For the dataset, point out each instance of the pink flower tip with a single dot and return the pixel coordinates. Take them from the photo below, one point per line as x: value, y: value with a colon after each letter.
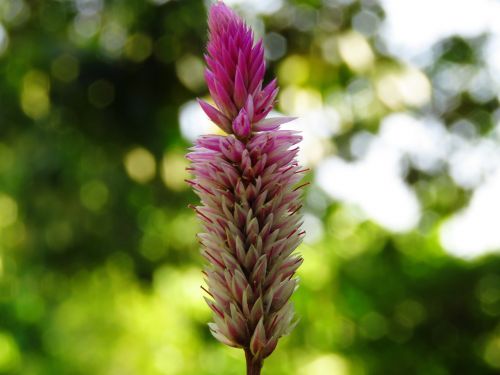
x: 220, y: 16
x: 241, y: 125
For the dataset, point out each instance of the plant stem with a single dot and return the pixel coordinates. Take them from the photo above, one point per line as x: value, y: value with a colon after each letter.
x: 254, y: 365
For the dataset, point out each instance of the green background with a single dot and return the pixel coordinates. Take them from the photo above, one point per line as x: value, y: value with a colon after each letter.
x: 99, y: 265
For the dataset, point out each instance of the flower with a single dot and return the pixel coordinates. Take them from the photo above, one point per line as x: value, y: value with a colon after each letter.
x: 247, y: 183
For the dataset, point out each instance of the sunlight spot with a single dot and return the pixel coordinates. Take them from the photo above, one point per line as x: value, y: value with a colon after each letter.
x: 194, y: 122
x: 488, y: 293
x: 8, y: 210
x: 86, y: 26
x: 169, y: 360
x: 138, y: 47
x: 491, y: 353
x: 173, y: 171
x: 293, y: 70
x: 275, y: 46
x: 406, y: 87
x: 326, y: 364
x: 257, y: 6
x: 356, y: 51
x: 330, y: 51
x: 190, y: 70
x: 314, y: 273
x: 425, y: 141
x: 35, y: 100
x: 468, y: 18
x: 94, y: 195
x: 472, y: 161
x: 4, y: 40
x: 9, y: 353
x: 474, y: 230
x: 374, y: 185
x: 313, y: 227
x: 316, y: 127
x: 112, y: 39
x: 140, y: 165
x: 89, y: 7
x: 297, y: 101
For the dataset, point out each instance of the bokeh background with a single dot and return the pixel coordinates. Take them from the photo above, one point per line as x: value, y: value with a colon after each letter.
x: 398, y: 103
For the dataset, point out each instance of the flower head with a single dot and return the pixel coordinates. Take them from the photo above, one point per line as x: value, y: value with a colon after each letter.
x: 246, y: 181
x: 235, y: 74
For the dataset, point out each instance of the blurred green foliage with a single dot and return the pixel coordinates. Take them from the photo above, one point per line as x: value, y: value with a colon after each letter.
x: 99, y: 265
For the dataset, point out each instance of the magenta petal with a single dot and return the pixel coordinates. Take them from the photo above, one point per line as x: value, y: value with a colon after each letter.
x: 258, y: 52
x: 258, y: 66
x: 219, y: 17
x: 241, y: 125
x: 262, y: 113
x: 271, y: 86
x: 272, y: 123
x: 240, y: 91
x: 221, y: 75
x: 249, y: 107
x: 242, y: 66
x: 225, y: 100
x: 227, y: 60
x: 216, y: 116
x: 257, y: 78
x: 211, y: 142
x: 247, y: 45
x: 210, y: 79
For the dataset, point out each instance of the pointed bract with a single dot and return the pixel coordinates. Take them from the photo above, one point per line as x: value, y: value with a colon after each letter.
x: 241, y: 125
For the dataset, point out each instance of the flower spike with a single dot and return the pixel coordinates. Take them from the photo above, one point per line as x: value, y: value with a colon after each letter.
x: 247, y: 182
